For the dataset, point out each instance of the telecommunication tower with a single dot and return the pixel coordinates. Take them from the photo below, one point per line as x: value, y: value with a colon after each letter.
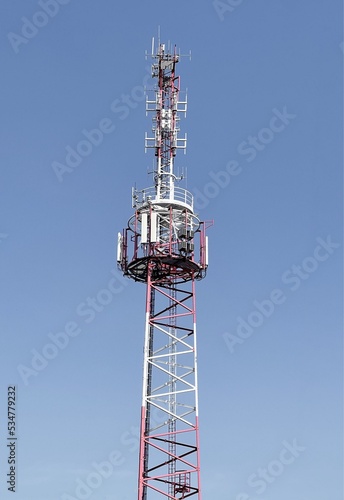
x: 165, y: 247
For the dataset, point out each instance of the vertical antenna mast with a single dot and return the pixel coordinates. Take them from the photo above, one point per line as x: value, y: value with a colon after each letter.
x: 165, y: 106
x: 165, y: 247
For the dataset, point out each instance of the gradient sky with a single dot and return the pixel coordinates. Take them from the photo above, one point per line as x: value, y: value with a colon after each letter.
x: 264, y: 160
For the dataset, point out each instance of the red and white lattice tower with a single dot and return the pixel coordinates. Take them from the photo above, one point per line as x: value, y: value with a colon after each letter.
x: 165, y: 247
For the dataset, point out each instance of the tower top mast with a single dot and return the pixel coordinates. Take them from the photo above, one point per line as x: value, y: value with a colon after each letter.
x: 164, y: 225
x: 166, y: 105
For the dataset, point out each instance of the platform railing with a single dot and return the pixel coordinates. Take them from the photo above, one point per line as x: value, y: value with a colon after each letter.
x: 149, y: 195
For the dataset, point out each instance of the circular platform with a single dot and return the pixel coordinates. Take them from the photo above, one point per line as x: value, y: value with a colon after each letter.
x: 164, y: 268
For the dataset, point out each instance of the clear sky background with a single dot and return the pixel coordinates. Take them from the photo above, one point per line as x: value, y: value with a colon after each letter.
x: 272, y: 185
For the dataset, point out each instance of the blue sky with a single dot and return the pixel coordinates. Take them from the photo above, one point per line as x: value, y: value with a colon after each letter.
x: 264, y: 160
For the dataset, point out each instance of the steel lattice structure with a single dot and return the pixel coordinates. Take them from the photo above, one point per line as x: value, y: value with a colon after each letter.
x: 165, y: 247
